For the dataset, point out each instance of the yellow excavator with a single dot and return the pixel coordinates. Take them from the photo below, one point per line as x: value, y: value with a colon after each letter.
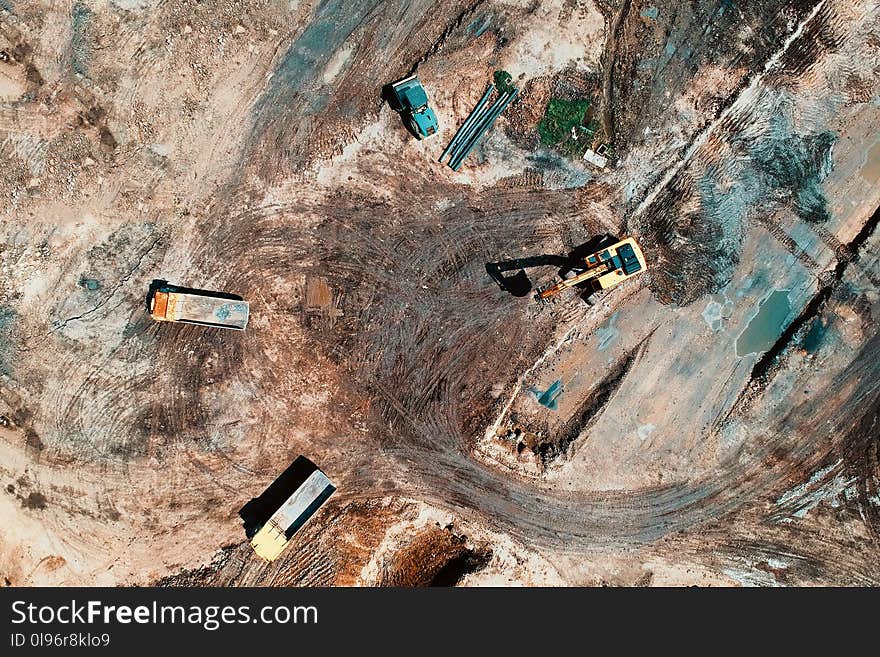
x: 604, y: 269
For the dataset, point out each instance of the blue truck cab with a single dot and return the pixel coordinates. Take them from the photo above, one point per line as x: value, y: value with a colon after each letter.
x: 409, y: 98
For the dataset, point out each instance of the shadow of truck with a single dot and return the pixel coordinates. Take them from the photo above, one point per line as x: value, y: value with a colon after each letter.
x: 259, y: 510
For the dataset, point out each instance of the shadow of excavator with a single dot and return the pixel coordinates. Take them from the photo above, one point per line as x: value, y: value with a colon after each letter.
x: 519, y: 284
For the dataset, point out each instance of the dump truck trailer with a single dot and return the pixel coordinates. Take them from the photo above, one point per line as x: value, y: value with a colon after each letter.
x: 605, y: 268
x: 169, y: 303
x: 271, y: 539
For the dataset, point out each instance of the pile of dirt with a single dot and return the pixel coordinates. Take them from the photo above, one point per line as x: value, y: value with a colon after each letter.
x: 331, y: 552
x: 434, y: 557
x: 694, y: 256
x: 570, y: 84
x: 523, y: 116
x: 207, y: 575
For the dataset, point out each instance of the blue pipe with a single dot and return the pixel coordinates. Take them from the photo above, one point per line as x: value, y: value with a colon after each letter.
x: 474, y: 127
x: 462, y: 153
x: 468, y: 121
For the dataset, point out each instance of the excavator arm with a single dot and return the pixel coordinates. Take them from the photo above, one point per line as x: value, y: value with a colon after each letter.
x: 608, y: 267
x: 571, y: 282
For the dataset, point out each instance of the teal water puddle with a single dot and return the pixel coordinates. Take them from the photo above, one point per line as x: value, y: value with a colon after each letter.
x: 717, y: 311
x: 550, y: 396
x: 89, y: 283
x: 815, y: 336
x: 478, y: 27
x: 766, y: 326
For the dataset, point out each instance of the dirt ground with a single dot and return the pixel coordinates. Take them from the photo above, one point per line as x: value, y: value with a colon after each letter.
x: 718, y: 416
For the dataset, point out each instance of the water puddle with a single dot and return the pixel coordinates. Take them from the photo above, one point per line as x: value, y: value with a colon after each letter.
x: 645, y: 430
x: 90, y: 284
x: 717, y: 311
x: 549, y: 397
x: 766, y: 326
x: 478, y: 27
x: 815, y: 336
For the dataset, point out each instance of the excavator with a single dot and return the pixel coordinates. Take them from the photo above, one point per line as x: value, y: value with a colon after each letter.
x: 603, y: 269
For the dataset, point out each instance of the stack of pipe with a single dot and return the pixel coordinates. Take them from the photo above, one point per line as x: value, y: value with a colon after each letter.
x: 475, y: 126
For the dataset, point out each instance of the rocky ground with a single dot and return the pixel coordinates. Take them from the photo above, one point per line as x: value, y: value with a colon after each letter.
x: 718, y: 421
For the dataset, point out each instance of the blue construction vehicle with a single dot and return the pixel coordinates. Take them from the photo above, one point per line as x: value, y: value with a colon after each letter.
x: 409, y: 98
